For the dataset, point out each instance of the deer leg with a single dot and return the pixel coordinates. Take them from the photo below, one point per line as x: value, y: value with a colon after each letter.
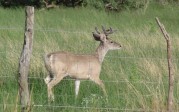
x: 48, y: 78
x: 100, y: 83
x: 77, y: 86
x: 51, y: 84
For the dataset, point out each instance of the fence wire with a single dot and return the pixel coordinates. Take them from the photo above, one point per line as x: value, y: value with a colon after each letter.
x: 106, y: 81
x: 44, y: 30
x: 84, y: 108
x: 118, y: 57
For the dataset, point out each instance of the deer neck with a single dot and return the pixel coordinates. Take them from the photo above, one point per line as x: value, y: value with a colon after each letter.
x: 101, y: 52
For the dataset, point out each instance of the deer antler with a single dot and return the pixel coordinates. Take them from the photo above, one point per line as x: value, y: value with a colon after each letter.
x: 97, y: 30
x: 103, y: 29
x: 96, y: 35
x: 108, y: 31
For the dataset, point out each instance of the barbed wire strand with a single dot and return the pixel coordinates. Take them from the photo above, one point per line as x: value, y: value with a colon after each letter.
x: 80, y: 107
x: 96, y: 108
x: 73, y: 95
x: 107, y: 81
x: 45, y: 30
x: 120, y: 57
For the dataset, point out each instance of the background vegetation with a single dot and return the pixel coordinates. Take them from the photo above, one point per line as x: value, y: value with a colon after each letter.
x: 114, y: 5
x: 135, y: 77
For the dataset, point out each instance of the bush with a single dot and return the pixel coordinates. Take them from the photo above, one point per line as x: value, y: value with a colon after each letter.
x: 16, y: 3
x: 128, y: 4
x: 116, y: 5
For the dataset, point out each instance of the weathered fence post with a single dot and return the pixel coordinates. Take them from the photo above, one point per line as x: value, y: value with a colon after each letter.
x: 170, y: 66
x: 24, y: 61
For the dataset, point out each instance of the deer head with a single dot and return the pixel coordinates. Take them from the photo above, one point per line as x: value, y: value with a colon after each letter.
x: 105, y: 41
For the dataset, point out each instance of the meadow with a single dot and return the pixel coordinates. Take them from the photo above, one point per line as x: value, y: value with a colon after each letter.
x: 135, y: 77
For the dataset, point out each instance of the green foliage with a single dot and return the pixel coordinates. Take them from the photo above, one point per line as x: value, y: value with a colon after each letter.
x: 133, y: 3
x: 167, y: 1
x: 95, y: 3
x: 118, y: 4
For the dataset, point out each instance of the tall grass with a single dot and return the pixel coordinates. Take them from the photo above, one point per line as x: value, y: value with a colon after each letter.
x: 135, y: 76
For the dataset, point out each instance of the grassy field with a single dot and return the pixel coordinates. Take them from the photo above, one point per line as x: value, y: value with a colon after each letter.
x: 136, y: 77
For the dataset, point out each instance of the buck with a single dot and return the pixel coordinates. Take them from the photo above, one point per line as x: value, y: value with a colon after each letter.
x: 62, y: 64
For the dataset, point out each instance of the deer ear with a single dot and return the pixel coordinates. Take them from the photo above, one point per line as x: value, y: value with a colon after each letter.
x: 96, y: 37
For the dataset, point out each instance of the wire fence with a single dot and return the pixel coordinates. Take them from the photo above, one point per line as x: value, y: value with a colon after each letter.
x: 108, y: 109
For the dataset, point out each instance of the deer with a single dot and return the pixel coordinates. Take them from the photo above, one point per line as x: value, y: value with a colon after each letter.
x: 61, y: 64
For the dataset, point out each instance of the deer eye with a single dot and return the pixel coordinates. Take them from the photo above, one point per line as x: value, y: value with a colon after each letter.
x: 112, y: 42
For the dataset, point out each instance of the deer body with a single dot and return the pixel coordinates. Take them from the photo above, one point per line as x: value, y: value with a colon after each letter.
x: 75, y: 66
x: 61, y: 64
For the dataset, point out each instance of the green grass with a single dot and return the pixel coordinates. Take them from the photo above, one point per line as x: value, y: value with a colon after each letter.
x: 141, y: 61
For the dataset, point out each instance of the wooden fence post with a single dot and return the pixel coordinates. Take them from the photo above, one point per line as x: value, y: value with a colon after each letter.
x: 170, y: 66
x: 24, y: 61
